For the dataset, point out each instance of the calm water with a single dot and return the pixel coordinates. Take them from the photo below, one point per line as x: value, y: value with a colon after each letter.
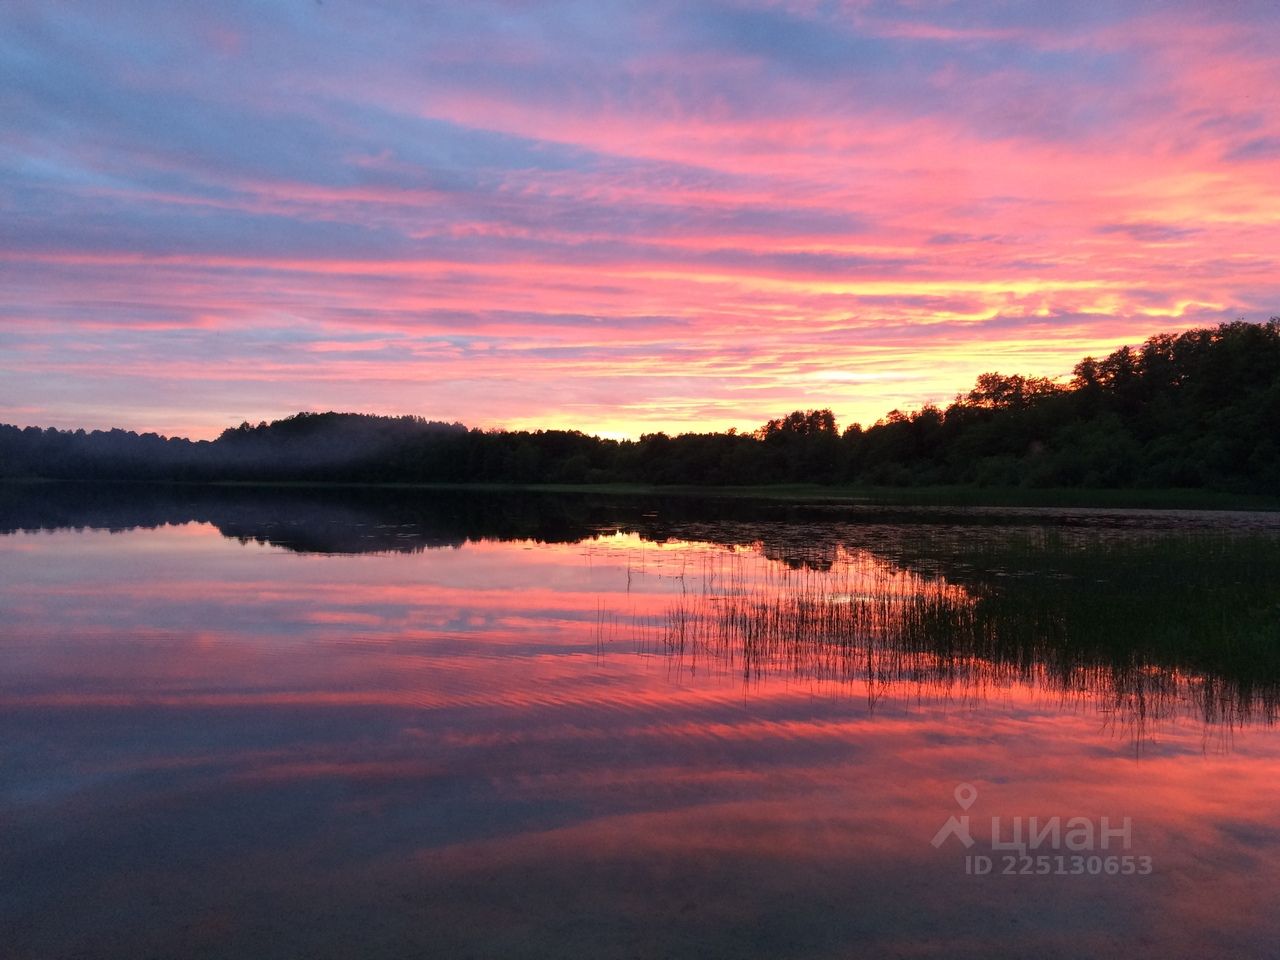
x: 289, y: 724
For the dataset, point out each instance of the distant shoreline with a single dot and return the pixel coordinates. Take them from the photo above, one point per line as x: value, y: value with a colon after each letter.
x: 1185, y: 420
x: 921, y: 496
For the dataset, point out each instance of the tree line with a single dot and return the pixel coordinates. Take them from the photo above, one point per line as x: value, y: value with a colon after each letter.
x: 1198, y: 409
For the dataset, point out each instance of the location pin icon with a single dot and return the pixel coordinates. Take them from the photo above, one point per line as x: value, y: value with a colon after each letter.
x: 966, y: 793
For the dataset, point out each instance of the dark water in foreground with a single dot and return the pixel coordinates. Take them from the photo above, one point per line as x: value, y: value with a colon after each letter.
x: 289, y: 724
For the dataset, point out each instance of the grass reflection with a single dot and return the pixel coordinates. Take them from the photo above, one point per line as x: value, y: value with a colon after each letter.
x: 1145, y: 629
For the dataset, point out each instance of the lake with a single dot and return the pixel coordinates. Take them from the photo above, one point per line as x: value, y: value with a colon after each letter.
x: 328, y: 723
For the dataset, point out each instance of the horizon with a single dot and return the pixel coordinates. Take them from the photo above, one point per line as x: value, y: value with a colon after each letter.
x: 1060, y: 379
x: 212, y: 432
x: 842, y: 423
x: 618, y: 219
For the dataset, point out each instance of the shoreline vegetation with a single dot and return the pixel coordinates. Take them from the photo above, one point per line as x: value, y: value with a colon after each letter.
x: 1067, y: 498
x: 1148, y: 616
x: 1185, y: 420
x: 1119, y: 623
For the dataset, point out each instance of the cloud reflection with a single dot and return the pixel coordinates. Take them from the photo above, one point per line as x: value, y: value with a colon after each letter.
x: 482, y: 747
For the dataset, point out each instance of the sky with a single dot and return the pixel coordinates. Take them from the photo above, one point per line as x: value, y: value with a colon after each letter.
x: 614, y: 217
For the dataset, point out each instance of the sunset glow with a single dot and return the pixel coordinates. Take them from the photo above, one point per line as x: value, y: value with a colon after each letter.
x: 614, y: 217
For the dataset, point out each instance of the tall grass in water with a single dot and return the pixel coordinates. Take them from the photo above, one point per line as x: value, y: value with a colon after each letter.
x: 1146, y: 631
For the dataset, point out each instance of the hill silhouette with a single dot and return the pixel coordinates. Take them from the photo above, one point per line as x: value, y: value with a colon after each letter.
x: 1199, y: 409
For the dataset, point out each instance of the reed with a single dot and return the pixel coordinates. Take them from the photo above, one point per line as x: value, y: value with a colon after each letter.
x: 1145, y: 629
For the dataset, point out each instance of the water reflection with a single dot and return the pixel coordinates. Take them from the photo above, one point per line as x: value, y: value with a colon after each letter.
x: 1147, y: 616
x: 405, y: 520
x: 1139, y: 657
x: 612, y: 729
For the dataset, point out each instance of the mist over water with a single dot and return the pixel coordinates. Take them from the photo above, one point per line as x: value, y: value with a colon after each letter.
x: 291, y: 722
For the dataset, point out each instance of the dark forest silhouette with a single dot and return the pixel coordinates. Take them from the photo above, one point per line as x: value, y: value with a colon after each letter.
x: 1200, y: 409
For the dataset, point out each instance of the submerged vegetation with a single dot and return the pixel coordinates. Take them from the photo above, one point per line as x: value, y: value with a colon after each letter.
x: 1200, y: 410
